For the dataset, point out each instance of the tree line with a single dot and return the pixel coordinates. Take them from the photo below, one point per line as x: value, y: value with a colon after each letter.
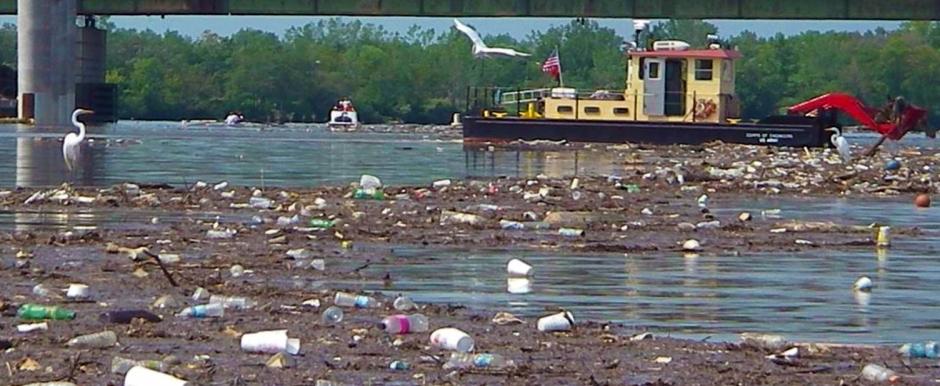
x: 422, y: 75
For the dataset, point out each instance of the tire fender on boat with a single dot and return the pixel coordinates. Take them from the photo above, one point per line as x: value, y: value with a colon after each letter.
x: 704, y: 108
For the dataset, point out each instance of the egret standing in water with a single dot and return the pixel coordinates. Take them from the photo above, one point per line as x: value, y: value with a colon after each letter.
x: 72, y: 141
x: 840, y: 143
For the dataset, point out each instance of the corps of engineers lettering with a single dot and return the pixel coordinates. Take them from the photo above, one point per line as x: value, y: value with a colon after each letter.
x: 769, y: 137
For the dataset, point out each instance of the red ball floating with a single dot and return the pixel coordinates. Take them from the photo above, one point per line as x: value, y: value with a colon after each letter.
x: 922, y: 201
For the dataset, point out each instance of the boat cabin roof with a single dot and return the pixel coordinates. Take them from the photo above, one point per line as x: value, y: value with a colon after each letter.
x: 695, y: 54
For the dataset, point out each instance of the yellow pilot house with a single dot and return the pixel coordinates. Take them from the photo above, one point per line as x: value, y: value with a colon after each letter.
x: 662, y: 86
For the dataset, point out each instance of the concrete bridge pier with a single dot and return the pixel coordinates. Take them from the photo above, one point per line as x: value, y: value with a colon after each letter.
x: 46, y: 43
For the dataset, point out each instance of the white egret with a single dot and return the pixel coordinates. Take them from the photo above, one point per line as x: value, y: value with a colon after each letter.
x: 480, y: 49
x: 841, y: 144
x: 72, y: 140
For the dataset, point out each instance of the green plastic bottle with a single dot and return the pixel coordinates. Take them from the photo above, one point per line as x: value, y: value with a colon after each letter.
x: 321, y: 223
x: 362, y: 194
x: 40, y: 312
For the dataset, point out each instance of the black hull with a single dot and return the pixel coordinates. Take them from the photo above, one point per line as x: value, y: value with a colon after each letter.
x: 479, y: 130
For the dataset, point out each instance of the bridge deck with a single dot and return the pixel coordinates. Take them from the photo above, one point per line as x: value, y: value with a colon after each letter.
x: 694, y: 9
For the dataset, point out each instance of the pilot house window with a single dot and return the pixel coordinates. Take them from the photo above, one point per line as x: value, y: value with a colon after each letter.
x: 654, y: 70
x: 703, y: 69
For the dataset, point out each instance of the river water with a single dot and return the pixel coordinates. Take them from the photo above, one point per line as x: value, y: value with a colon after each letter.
x: 805, y: 295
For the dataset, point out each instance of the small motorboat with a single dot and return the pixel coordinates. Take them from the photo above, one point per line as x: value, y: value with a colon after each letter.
x: 343, y: 116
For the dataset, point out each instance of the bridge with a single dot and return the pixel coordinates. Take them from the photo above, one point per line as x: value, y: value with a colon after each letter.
x: 61, y: 65
x: 662, y: 9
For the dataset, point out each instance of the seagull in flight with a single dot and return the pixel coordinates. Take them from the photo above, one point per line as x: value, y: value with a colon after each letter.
x: 480, y: 50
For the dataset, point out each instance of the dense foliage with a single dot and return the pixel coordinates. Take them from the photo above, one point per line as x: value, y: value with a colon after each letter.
x: 422, y: 75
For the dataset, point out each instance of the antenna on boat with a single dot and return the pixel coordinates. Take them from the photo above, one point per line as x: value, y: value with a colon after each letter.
x: 639, y: 25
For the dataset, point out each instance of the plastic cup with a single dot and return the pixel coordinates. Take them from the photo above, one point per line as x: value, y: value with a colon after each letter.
x: 518, y: 285
x: 517, y: 267
x: 562, y: 321
x: 452, y: 339
x: 142, y: 376
x: 271, y: 342
x: 77, y: 291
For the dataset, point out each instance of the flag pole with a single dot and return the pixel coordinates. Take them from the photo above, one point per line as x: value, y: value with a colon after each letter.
x: 561, y: 80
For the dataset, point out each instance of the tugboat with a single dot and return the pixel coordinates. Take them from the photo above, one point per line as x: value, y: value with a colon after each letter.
x: 673, y: 95
x: 343, y: 116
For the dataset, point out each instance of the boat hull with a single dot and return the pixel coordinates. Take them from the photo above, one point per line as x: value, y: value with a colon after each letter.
x: 480, y: 130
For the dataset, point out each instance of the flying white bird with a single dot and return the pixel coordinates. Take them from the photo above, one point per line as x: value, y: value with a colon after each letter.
x: 480, y: 50
x: 72, y: 140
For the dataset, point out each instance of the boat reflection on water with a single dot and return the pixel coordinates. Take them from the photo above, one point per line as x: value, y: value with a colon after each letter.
x: 523, y: 163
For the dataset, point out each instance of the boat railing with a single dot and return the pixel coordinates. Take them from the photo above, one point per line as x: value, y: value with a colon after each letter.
x: 692, y: 106
x: 502, y: 99
x: 524, y: 96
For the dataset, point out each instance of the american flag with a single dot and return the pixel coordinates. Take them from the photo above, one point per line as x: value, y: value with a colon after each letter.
x: 552, y: 65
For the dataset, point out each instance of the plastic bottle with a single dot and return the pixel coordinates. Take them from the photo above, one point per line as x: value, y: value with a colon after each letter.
x: 127, y: 316
x: 920, y: 350
x: 215, y: 310
x: 40, y: 312
x: 511, y: 225
x: 123, y: 365
x: 399, y: 365
x: 96, y: 340
x: 25, y: 328
x: 233, y: 302
x: 366, y: 194
x: 404, y: 303
x: 404, y: 324
x: 459, y: 360
x: 344, y: 299
x: 876, y: 373
x: 332, y: 315
x: 260, y: 203
x: 452, y: 339
x: 321, y: 223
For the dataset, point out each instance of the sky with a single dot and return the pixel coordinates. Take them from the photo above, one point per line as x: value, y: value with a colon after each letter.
x: 516, y: 27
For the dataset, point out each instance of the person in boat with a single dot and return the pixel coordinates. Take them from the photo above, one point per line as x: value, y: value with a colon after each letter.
x: 897, y: 110
x: 345, y: 105
x: 884, y: 114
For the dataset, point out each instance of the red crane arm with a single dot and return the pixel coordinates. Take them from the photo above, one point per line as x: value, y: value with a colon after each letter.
x: 861, y: 113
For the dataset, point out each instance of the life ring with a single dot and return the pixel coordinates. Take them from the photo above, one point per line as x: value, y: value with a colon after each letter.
x: 704, y: 108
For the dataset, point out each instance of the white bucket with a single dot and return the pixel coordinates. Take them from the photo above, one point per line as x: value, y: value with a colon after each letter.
x: 270, y: 342
x: 452, y: 339
x: 562, y: 321
x: 517, y: 267
x: 142, y: 376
